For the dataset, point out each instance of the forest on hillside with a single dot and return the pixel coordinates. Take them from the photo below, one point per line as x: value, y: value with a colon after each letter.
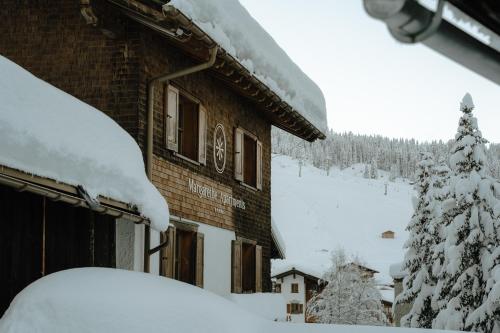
x: 397, y: 156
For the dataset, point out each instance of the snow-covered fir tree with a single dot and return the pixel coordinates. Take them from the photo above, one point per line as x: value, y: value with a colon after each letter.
x: 366, y: 173
x: 346, y: 149
x: 441, y: 208
x: 349, y: 298
x: 418, y: 285
x: 374, y: 169
x: 468, y: 288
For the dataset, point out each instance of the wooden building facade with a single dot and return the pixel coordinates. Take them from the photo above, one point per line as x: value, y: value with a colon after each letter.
x: 204, y: 129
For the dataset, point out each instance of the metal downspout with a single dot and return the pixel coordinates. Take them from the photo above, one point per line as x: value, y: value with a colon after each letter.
x: 150, y: 126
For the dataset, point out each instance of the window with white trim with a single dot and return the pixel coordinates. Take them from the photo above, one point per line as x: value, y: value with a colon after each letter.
x: 185, y: 125
x: 247, y: 159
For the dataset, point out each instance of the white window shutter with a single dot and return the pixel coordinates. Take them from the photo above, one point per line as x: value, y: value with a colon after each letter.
x: 202, y: 135
x: 171, y: 121
x: 259, y: 165
x: 238, y: 154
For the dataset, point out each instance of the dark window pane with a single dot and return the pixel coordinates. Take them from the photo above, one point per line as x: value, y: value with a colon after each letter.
x: 250, y: 161
x: 188, y: 128
x: 248, y: 267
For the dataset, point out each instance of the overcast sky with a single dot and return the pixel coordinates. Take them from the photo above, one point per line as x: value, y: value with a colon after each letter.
x: 372, y: 84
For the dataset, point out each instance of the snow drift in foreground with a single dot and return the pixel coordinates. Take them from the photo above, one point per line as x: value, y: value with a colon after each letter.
x: 235, y: 30
x: 110, y: 300
x: 49, y: 133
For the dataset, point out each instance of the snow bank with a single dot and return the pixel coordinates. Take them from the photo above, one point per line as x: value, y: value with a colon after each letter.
x: 267, y: 305
x: 234, y: 29
x: 103, y: 300
x: 49, y: 133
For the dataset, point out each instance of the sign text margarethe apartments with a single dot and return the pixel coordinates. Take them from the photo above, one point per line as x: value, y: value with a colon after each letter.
x: 210, y: 193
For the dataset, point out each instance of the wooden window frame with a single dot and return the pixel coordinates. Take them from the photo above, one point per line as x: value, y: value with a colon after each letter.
x: 168, y: 255
x: 237, y: 265
x: 292, y: 288
x: 202, y: 127
x: 258, y: 168
x: 296, y: 308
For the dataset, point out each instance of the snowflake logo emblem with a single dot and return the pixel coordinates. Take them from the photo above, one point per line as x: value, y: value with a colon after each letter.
x: 219, y: 148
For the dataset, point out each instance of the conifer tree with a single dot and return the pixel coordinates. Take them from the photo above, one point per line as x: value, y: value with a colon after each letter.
x: 418, y: 284
x: 349, y: 297
x: 366, y: 174
x: 468, y: 290
x: 374, y: 169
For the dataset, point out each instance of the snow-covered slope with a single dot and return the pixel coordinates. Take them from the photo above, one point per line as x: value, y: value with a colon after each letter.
x: 317, y: 213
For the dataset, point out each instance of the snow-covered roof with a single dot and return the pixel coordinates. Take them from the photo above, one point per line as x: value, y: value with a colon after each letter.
x: 238, y: 33
x: 396, y: 271
x: 386, y: 293
x: 49, y: 133
x: 280, y: 267
x: 278, y: 239
x: 102, y: 300
x: 267, y: 305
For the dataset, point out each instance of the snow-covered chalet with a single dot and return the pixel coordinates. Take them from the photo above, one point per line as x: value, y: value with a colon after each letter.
x: 111, y: 109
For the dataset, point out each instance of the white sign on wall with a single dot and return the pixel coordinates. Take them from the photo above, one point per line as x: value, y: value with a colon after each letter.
x: 211, y: 193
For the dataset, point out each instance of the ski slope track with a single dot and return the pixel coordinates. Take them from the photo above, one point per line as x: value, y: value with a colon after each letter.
x: 317, y: 214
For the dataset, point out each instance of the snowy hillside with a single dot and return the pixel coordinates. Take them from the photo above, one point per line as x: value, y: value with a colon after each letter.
x: 317, y: 213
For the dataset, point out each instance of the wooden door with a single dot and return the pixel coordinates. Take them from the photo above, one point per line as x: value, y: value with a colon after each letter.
x: 186, y: 256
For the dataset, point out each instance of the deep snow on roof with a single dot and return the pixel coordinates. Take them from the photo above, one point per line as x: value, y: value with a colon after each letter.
x: 238, y: 33
x: 103, y: 300
x: 49, y: 133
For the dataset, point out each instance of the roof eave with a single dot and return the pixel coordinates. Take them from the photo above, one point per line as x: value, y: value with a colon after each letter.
x: 227, y: 68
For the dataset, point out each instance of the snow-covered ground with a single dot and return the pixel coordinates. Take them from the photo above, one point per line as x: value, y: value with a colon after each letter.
x: 107, y: 300
x: 317, y: 213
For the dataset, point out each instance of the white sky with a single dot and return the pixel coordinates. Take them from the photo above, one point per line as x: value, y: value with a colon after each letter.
x: 372, y: 84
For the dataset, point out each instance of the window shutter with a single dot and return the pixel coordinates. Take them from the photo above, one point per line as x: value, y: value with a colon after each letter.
x: 258, y: 269
x: 301, y: 308
x: 259, y: 165
x: 202, y: 135
x: 238, y: 154
x: 236, y: 279
x: 167, y: 254
x: 289, y: 308
x: 200, y: 240
x: 171, y: 119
